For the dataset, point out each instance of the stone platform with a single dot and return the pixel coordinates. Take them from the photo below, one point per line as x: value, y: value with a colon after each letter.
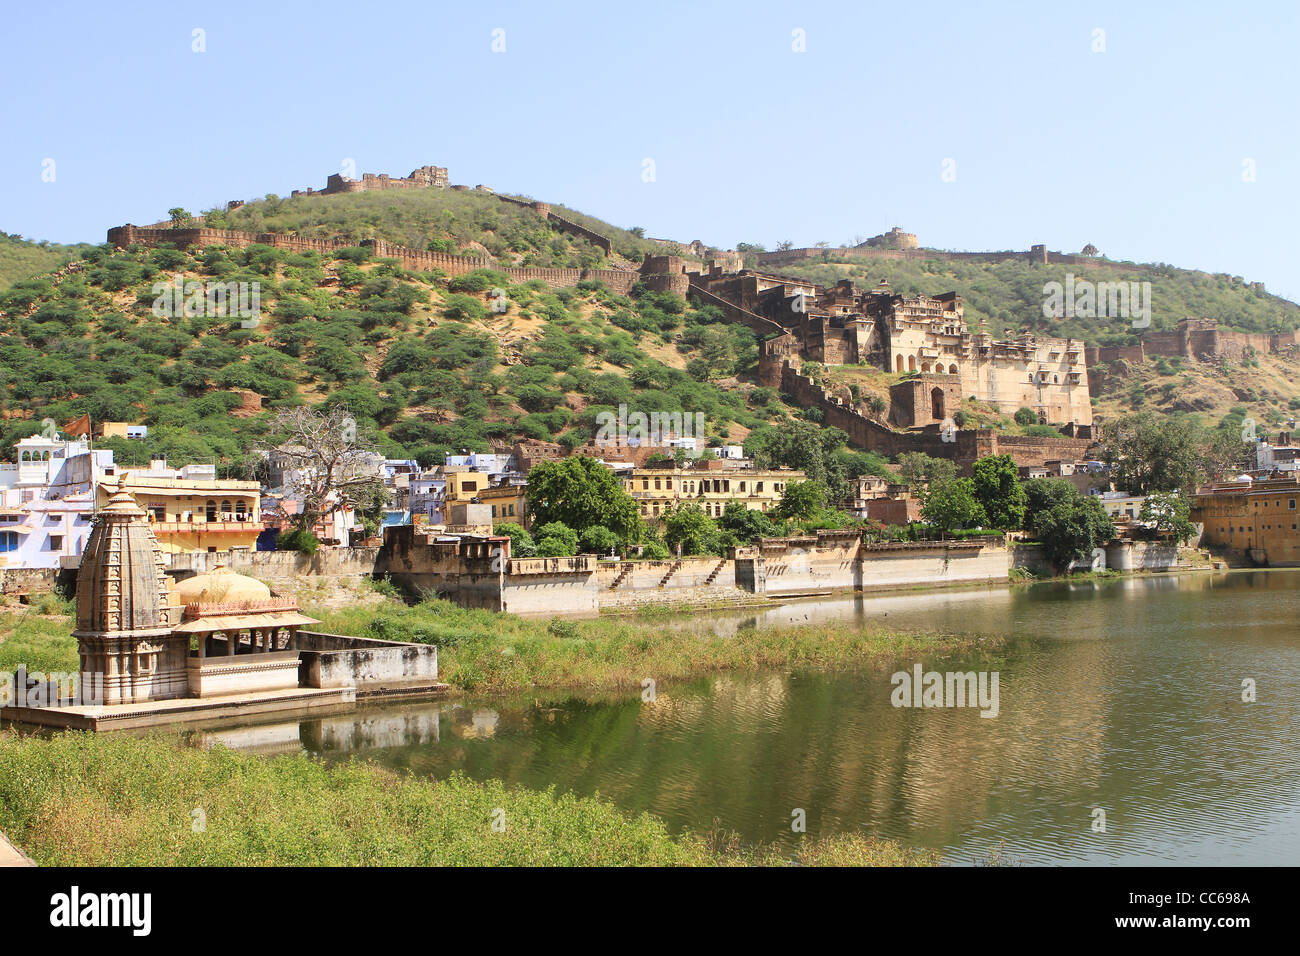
x: 162, y: 713
x: 10, y: 855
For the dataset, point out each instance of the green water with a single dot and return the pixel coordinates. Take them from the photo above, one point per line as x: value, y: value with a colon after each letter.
x: 1121, y: 695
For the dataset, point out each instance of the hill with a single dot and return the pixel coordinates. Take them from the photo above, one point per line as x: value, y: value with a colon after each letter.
x: 469, y: 222
x: 21, y: 259
x: 424, y: 362
x: 431, y: 362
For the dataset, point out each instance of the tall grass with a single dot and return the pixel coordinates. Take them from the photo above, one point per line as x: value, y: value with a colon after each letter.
x: 38, y: 638
x: 483, y: 651
x: 116, y: 800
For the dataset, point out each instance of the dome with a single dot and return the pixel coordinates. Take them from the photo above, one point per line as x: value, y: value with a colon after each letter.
x: 222, y: 586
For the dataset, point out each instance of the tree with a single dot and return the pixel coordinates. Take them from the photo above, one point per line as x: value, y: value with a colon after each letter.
x: 555, y: 539
x: 689, y: 530
x: 746, y: 525
x: 1153, y: 452
x: 327, y: 466
x: 598, y: 540
x: 1026, y: 416
x: 801, y: 501
x: 179, y: 216
x: 1089, y: 250
x: 805, y: 446
x: 918, y: 469
x: 581, y: 492
x: 1170, y: 513
x: 950, y: 504
x: 1068, y: 524
x: 522, y: 544
x: 999, y: 492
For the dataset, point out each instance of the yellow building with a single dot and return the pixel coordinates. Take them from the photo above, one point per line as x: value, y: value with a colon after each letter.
x: 188, y: 515
x: 659, y: 490
x: 1260, y: 518
x: 464, y: 485
x: 509, y: 503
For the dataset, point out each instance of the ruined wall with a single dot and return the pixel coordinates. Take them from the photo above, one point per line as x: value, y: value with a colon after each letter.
x: 1205, y: 340
x: 698, y: 580
x: 564, y: 225
x: 416, y: 260
x: 911, y: 563
x: 970, y: 444
x: 1038, y: 255
x: 1110, y: 353
x: 279, y: 567
x: 335, y: 660
x: 14, y: 580
x: 827, y: 561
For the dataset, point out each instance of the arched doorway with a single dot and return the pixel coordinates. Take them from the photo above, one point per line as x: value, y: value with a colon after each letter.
x: 898, y: 365
x: 911, y: 363
x: 936, y: 404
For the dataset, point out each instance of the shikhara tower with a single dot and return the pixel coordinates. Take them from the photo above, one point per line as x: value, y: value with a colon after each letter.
x: 124, y: 627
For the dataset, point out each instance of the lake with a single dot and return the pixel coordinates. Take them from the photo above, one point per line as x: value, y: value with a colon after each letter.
x: 1123, y: 696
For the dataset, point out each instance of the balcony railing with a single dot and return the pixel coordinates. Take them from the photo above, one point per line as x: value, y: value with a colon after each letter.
x: 205, y: 527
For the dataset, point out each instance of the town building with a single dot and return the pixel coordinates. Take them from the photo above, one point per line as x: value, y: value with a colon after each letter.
x: 659, y: 490
x: 1256, y: 518
x: 190, y: 509
x: 1281, y: 457
x: 878, y: 499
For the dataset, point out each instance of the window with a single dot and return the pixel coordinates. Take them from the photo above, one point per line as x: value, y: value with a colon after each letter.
x: 210, y: 511
x: 56, y: 542
x: 8, y: 541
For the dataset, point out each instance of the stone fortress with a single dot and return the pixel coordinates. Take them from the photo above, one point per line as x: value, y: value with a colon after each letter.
x: 924, y: 337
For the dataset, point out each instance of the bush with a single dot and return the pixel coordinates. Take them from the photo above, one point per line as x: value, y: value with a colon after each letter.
x: 304, y: 542
x: 598, y: 540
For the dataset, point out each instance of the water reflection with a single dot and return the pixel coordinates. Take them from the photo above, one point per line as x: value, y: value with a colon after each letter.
x: 1124, y: 695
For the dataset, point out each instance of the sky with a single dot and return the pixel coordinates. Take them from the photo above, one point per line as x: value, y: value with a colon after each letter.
x: 1160, y: 132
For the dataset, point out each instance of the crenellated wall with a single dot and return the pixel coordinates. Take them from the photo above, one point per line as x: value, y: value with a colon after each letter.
x: 968, y: 445
x: 417, y: 260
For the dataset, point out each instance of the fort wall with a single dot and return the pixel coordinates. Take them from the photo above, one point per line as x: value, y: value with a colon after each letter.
x: 968, y: 445
x: 621, y: 281
x: 791, y: 256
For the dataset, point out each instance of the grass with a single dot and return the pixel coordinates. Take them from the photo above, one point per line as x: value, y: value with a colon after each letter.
x: 38, y: 637
x: 85, y: 800
x: 484, y: 651
x: 114, y: 800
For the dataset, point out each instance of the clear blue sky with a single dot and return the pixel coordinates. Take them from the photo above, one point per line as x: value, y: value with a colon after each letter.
x: 1138, y: 149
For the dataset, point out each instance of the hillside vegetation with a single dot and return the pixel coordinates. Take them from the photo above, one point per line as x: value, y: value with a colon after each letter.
x: 422, y: 363
x: 438, y: 220
x: 21, y: 259
x: 1008, y: 295
x: 427, y: 365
